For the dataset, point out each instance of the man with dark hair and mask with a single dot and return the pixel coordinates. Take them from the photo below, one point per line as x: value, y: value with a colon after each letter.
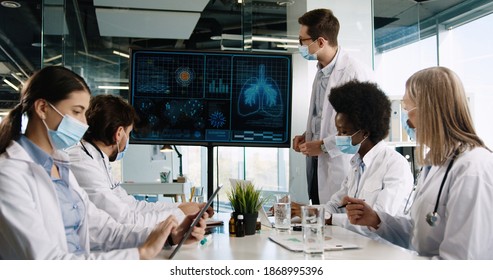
x: 111, y: 119
x: 326, y: 166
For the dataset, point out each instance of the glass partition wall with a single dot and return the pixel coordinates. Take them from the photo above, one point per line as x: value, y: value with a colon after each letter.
x: 408, y: 36
x: 72, y: 36
x: 455, y: 37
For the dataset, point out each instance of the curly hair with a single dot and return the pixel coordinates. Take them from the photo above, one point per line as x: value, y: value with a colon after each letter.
x: 366, y: 106
x: 321, y: 23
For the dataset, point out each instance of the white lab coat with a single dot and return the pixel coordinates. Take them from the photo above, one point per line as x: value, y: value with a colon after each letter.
x: 91, y: 169
x: 385, y: 185
x: 333, y: 166
x: 465, y: 230
x: 31, y: 225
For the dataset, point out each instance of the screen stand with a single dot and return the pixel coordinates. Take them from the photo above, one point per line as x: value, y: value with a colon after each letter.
x: 210, y: 169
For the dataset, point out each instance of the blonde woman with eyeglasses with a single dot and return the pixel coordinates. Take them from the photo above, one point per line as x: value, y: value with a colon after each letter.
x: 450, y: 217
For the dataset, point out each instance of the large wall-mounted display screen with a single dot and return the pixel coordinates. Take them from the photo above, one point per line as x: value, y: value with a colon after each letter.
x: 218, y: 98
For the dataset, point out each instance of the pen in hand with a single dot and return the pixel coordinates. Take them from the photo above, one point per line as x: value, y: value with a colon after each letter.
x: 344, y: 205
x: 207, y: 239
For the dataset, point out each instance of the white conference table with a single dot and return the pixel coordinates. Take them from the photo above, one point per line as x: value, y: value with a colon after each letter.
x: 259, y: 247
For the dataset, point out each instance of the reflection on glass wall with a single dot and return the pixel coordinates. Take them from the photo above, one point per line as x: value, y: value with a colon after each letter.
x: 81, y: 36
x: 456, y: 38
x: 398, y: 27
x: 469, y: 52
x: 407, y: 59
x: 408, y: 36
x: 267, y: 167
x: 68, y: 40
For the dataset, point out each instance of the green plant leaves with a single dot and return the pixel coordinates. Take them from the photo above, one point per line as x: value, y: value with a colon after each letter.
x: 245, y: 198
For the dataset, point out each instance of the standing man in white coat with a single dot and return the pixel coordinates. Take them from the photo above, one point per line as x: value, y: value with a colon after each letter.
x: 326, y: 166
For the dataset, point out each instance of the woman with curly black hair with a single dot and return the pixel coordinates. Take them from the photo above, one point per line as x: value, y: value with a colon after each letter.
x: 378, y: 173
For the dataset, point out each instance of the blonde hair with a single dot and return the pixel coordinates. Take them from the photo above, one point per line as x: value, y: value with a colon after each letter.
x: 444, y: 123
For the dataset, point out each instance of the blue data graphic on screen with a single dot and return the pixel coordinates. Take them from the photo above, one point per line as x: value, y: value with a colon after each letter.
x: 210, y: 97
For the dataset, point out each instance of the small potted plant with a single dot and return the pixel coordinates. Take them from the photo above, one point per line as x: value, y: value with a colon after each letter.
x: 246, y: 200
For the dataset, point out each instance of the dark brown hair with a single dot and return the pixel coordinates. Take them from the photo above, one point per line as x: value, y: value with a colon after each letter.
x: 105, y: 115
x: 53, y: 84
x: 321, y: 23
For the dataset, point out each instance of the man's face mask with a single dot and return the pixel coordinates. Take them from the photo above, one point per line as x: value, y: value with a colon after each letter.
x: 121, y: 154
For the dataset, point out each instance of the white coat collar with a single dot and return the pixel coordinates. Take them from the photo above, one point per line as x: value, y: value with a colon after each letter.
x: 95, y: 153
x: 339, y: 67
x: 370, y: 155
x: 15, y: 151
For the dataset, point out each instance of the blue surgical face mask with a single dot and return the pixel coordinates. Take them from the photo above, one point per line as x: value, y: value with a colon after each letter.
x: 345, y: 144
x: 305, y: 53
x: 68, y: 133
x: 121, y: 154
x: 410, y: 131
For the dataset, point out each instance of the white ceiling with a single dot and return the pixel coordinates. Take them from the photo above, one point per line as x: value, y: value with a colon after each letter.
x: 170, y: 5
x: 146, y: 23
x: 148, y: 18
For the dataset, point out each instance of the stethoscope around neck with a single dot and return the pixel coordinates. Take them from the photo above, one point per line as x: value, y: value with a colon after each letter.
x: 433, y: 218
x: 113, y: 185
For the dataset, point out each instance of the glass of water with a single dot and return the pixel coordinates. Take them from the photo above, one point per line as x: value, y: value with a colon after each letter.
x: 313, y: 222
x: 282, y: 212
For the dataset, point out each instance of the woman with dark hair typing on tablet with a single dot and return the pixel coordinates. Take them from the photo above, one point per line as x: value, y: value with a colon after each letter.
x: 451, y: 214
x: 378, y: 173
x: 44, y: 214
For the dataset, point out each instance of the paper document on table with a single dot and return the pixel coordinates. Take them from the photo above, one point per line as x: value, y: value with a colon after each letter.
x: 294, y: 242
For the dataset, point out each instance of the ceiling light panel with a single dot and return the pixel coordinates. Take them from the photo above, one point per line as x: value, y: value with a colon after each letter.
x: 146, y: 23
x: 54, y: 22
x: 182, y: 5
x: 4, y: 69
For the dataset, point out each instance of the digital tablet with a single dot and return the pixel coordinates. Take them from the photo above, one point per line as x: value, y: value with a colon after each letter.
x: 195, y: 222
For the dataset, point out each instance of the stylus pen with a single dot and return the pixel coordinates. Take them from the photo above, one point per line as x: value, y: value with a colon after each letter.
x: 345, y: 204
x: 207, y: 239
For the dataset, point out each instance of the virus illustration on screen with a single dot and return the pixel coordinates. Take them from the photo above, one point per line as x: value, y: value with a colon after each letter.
x: 217, y: 119
x: 184, y: 76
